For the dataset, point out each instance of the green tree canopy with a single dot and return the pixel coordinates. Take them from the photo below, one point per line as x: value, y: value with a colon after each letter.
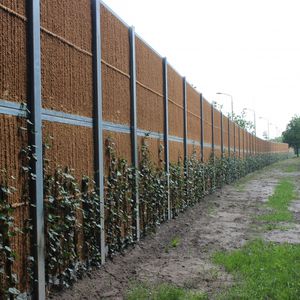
x: 241, y: 120
x: 292, y: 134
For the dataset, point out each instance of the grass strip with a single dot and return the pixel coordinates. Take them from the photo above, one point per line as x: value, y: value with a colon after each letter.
x: 162, y: 292
x: 279, y: 203
x: 263, y: 270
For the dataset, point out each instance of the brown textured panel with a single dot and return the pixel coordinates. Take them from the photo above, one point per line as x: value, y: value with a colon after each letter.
x: 150, y: 110
x: 175, y: 86
x: 70, y: 146
x: 239, y: 143
x: 13, y: 61
x: 115, y: 69
x: 225, y: 133
x: 258, y: 146
x: 71, y: 20
x: 217, y: 153
x: 149, y: 69
x: 193, y: 114
x: 114, y: 41
x: 19, y: 6
x: 248, y: 142
x: 66, y: 78
x: 175, y: 120
x: 115, y: 96
x: 194, y: 149
x: 243, y: 143
x: 175, y: 89
x: 217, y: 127
x: 207, y: 154
x: 231, y: 133
x: 237, y: 139
x: 175, y: 151
x: 207, y: 121
x: 122, y: 143
x: 155, y: 147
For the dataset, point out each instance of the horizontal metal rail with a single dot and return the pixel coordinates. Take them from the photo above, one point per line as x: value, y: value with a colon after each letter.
x: 18, y: 109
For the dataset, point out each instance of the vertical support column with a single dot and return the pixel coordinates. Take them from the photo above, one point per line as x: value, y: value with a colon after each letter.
x: 166, y: 132
x: 185, y: 124
x: 213, y: 144
x: 97, y: 120
x: 202, y: 143
x: 36, y: 144
x: 229, y: 149
x: 133, y: 128
x: 222, y: 137
x: 202, y: 129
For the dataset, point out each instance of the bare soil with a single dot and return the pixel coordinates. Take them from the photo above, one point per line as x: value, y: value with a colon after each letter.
x: 222, y: 221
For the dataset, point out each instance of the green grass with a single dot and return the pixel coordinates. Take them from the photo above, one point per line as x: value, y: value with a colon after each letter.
x: 263, y: 271
x: 175, y: 242
x: 274, y: 226
x: 279, y: 202
x: 291, y: 168
x: 162, y: 292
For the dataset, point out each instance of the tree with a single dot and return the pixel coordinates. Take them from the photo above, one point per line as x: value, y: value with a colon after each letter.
x: 239, y: 119
x: 242, y: 121
x: 278, y: 139
x: 292, y: 134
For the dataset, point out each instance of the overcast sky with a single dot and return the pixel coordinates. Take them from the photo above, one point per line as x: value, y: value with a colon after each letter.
x: 249, y: 49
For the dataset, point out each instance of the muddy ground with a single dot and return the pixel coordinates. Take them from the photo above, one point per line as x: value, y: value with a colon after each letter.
x: 222, y: 221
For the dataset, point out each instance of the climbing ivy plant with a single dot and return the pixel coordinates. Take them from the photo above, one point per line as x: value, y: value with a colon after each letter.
x: 8, y: 279
x: 152, y: 190
x: 72, y: 207
x: 62, y: 204
x: 118, y: 201
x: 91, y: 223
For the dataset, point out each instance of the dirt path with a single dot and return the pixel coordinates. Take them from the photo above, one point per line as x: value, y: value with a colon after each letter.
x: 222, y: 221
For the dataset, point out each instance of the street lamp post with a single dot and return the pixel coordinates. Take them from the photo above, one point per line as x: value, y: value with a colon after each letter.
x: 231, y: 99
